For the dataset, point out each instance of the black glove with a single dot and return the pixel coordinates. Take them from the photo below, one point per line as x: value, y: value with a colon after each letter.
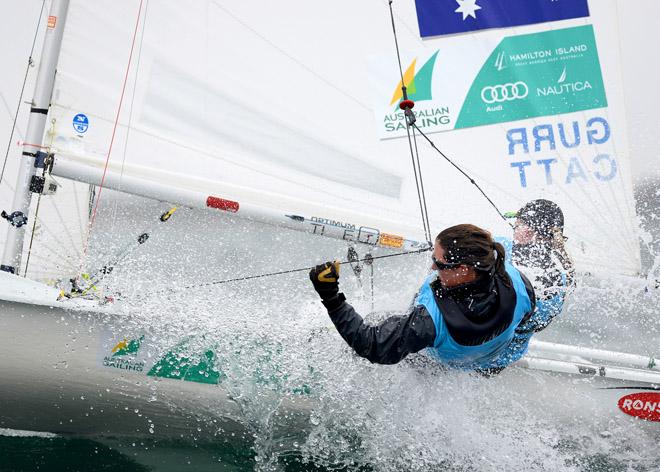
x: 324, y: 278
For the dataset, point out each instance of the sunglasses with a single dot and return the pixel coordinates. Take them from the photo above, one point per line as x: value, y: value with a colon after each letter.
x: 444, y: 265
x: 452, y: 265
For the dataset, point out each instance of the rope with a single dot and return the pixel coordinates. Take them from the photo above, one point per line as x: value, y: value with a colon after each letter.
x: 40, y: 146
x: 472, y: 181
x: 20, y: 98
x: 94, y: 278
x: 114, y: 130
x: 426, y: 225
x: 289, y: 271
x: 410, y: 123
x: 396, y: 42
x: 129, y: 127
x: 414, y: 155
x: 371, y: 277
x: 414, y: 152
x: 562, y: 158
x: 421, y: 183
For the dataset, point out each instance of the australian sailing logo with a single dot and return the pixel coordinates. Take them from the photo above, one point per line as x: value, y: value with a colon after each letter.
x: 123, y: 355
x: 419, y: 87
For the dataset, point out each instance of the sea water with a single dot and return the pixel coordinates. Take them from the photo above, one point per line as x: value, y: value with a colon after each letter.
x: 277, y: 348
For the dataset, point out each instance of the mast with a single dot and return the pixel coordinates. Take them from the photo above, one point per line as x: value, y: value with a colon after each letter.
x: 32, y: 150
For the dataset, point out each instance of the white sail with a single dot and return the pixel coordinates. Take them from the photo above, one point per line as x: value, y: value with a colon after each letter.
x: 278, y: 116
x: 221, y: 100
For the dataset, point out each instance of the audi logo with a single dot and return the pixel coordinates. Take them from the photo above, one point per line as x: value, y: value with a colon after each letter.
x: 504, y: 93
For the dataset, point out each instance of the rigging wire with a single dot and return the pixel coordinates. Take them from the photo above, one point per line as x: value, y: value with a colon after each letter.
x: 588, y: 214
x: 467, y: 176
x: 420, y: 192
x: 62, y: 247
x: 91, y: 280
x: 410, y: 120
x: 114, y: 131
x: 367, y: 259
x: 421, y: 183
x: 20, y: 98
x: 411, y: 128
x: 410, y: 123
x: 129, y: 126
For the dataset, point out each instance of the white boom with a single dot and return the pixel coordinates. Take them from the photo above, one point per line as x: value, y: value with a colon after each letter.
x: 374, y: 233
x: 634, y: 360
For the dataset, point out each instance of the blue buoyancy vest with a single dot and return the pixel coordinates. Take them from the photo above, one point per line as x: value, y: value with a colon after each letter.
x: 546, y: 310
x: 481, y: 356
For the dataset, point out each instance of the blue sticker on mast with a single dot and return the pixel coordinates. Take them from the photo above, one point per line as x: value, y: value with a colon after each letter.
x: 439, y: 17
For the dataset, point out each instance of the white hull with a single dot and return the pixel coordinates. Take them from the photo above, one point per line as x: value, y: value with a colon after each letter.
x: 53, y: 379
x: 62, y: 372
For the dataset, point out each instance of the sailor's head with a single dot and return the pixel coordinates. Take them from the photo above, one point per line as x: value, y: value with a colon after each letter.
x: 465, y: 253
x: 538, y: 220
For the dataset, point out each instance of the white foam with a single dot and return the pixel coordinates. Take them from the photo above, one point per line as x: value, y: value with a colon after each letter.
x: 272, y: 335
x: 17, y: 433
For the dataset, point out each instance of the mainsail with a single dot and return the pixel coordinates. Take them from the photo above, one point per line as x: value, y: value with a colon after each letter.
x: 286, y: 117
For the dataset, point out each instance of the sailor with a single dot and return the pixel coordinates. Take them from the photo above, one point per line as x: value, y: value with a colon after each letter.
x: 464, y: 314
x: 538, y: 250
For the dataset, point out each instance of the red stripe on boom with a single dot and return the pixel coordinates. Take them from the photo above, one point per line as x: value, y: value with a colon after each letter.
x: 222, y: 204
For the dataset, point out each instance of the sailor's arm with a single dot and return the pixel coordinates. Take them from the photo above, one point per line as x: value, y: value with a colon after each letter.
x: 387, y: 342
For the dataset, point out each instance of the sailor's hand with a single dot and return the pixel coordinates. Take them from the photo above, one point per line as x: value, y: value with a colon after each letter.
x: 325, y: 278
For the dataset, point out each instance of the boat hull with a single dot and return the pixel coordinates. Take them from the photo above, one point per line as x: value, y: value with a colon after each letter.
x: 58, y: 375
x: 63, y: 371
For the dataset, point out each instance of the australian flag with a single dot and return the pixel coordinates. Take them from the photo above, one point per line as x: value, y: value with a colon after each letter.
x: 438, y: 17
